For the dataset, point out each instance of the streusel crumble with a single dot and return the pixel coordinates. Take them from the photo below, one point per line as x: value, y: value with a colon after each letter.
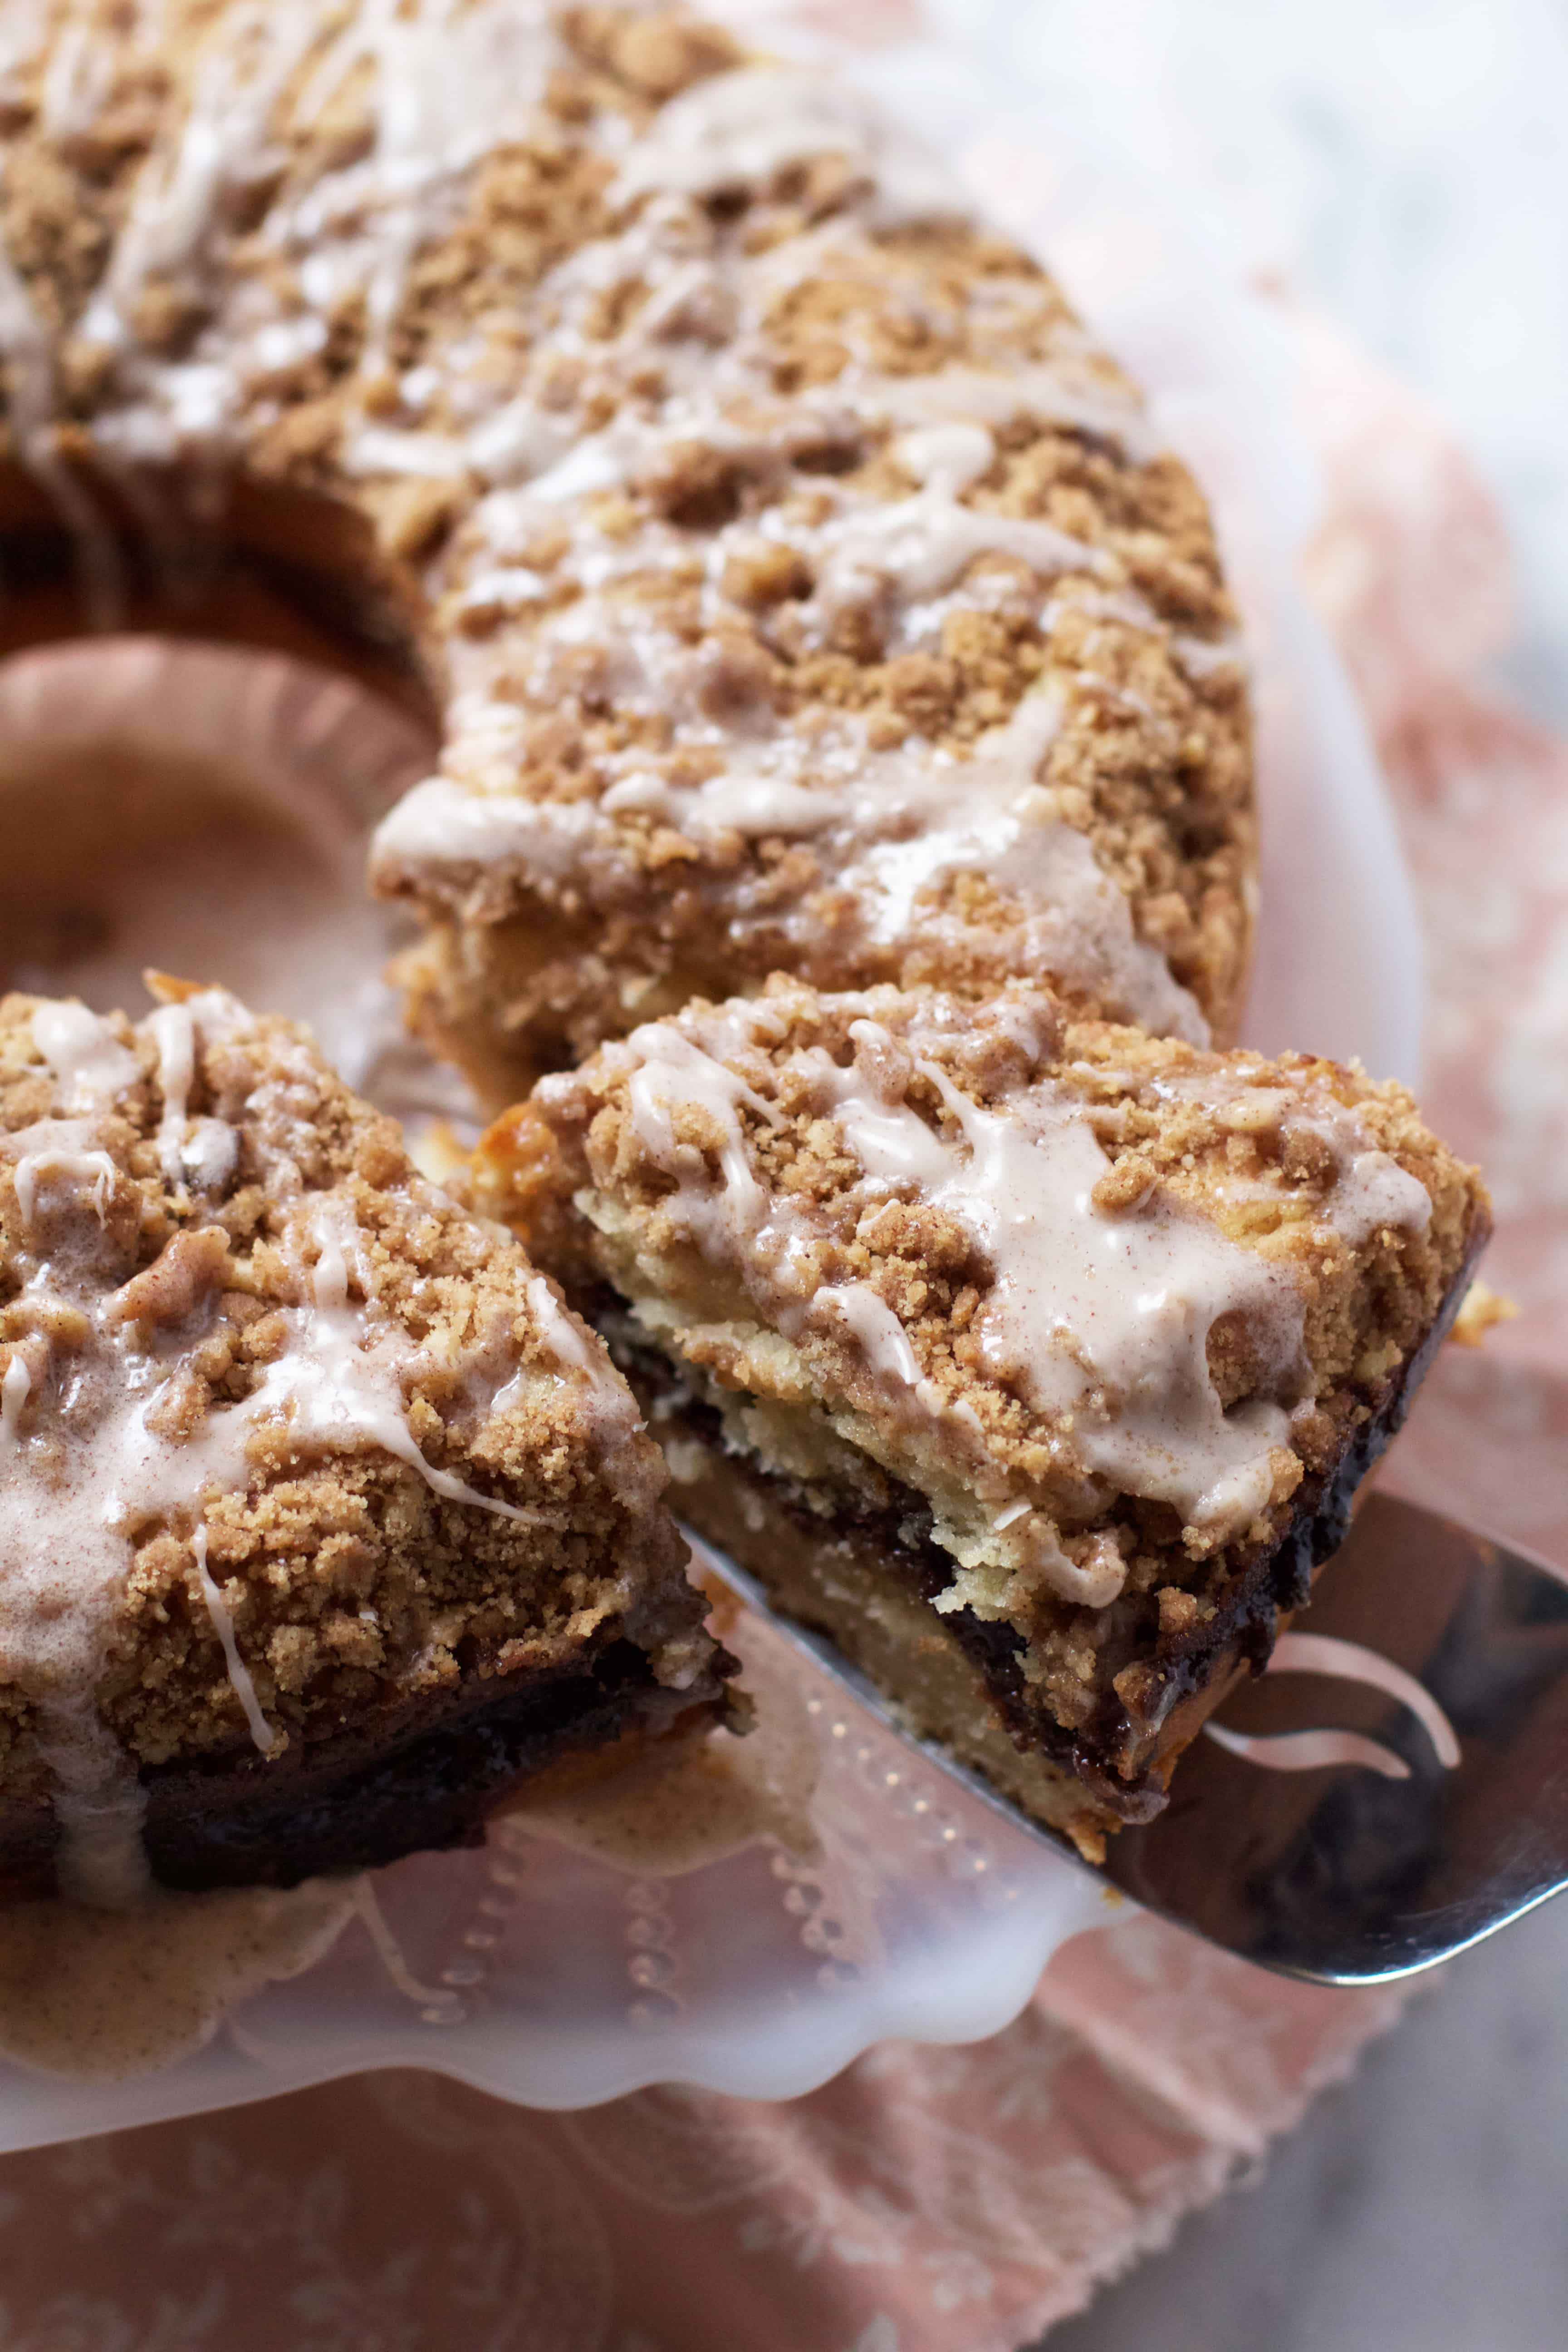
x: 322, y: 1519
x: 1056, y: 1346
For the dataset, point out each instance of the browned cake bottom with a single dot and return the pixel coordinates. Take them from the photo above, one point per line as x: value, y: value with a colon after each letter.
x: 425, y: 1777
x: 868, y: 1578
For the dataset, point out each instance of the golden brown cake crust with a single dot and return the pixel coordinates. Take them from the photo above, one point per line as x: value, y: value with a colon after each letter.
x: 1312, y: 1221
x: 183, y: 1314
x: 864, y: 499
x: 803, y: 593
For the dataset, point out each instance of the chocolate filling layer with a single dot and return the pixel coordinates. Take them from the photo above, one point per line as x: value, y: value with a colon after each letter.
x: 1123, y: 1754
x: 419, y: 1778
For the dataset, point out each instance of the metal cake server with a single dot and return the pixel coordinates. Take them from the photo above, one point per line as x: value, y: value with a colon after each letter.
x: 1431, y: 1814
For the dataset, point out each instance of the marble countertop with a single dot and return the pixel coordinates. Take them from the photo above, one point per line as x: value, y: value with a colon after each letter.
x: 1419, y: 2208
x: 1398, y: 163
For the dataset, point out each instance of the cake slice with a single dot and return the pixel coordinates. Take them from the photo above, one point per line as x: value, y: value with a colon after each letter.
x: 322, y: 1521
x: 1033, y: 1359
x: 810, y: 593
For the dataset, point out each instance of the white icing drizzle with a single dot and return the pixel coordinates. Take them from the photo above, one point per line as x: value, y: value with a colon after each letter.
x: 209, y: 1153
x: 91, y: 1457
x: 950, y: 458
x: 178, y: 196
x: 31, y: 401
x: 95, y: 1169
x: 915, y: 548
x: 610, y: 1407
x: 896, y: 824
x: 14, y: 1390
x: 877, y: 1331
x: 440, y: 820
x: 1100, y: 1319
x: 239, y: 1674
x: 338, y: 1378
x: 173, y: 1034
x: 1104, y: 1319
x: 100, y: 1807
x: 671, y: 1072
x: 76, y: 80
x: 73, y: 1490
x: 447, y: 85
x: 739, y: 131
x: 1065, y: 391
x: 692, y: 362
x: 86, y: 1059
x: 1372, y: 1192
x: 1369, y: 1192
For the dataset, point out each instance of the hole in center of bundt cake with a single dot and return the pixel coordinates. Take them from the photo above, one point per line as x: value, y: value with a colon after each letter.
x: 204, y: 810
x: 279, y: 569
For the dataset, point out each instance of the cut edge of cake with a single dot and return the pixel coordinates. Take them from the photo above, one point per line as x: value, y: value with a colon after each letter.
x: 827, y: 1235
x: 323, y: 1520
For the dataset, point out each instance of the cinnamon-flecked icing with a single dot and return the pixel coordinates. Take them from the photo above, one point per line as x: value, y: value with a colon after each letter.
x: 99, y: 1442
x: 1099, y: 1318
x: 647, y: 500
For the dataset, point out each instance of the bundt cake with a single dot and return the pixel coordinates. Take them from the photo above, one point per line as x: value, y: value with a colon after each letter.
x: 799, y: 586
x: 845, y: 792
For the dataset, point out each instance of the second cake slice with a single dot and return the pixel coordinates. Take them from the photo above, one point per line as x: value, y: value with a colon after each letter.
x: 323, y: 1523
x: 1035, y: 1359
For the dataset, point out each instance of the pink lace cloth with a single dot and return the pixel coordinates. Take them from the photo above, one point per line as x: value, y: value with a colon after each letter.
x: 933, y: 2201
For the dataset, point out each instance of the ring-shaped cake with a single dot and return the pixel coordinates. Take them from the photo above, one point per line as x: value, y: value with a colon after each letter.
x: 818, y: 629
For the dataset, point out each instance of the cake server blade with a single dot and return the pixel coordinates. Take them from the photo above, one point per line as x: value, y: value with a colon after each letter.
x: 1432, y: 1812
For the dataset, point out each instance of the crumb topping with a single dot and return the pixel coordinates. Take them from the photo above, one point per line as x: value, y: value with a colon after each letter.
x: 268, y: 1397
x: 808, y: 594
x: 1102, y: 1300
x: 811, y: 594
